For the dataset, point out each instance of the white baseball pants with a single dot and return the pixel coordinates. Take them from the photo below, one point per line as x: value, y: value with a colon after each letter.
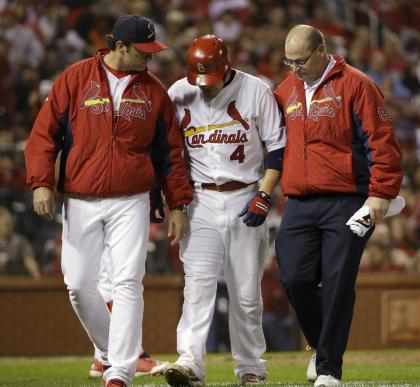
x: 120, y: 225
x: 105, y: 276
x: 218, y: 237
x: 105, y: 288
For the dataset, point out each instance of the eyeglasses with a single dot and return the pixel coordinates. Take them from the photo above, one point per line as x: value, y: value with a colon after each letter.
x: 298, y: 62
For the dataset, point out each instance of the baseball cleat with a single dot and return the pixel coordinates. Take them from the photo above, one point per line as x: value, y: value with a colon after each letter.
x: 116, y: 383
x: 177, y: 375
x: 311, y: 371
x: 249, y: 379
x: 145, y: 366
x: 95, y: 370
x: 148, y: 366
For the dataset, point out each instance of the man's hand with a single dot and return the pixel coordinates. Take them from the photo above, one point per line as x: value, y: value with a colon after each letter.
x: 256, y: 209
x: 177, y: 225
x: 43, y: 199
x: 378, y: 207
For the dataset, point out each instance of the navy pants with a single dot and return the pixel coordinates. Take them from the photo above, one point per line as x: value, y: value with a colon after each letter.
x: 319, y: 259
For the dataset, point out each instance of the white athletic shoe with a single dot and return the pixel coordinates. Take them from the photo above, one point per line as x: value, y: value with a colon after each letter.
x: 327, y: 381
x: 311, y: 371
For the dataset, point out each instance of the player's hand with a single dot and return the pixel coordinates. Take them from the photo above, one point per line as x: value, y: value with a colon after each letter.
x: 43, y: 199
x: 156, y: 204
x: 378, y: 207
x: 177, y: 225
x: 256, y: 209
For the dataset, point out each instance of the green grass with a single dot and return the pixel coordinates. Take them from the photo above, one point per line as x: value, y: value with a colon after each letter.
x: 367, y: 368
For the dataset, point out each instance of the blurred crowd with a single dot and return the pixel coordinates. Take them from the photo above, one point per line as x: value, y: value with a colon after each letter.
x: 39, y: 38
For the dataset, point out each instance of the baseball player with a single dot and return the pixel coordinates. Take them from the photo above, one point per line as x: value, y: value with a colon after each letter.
x: 145, y: 364
x: 227, y: 117
x: 114, y: 123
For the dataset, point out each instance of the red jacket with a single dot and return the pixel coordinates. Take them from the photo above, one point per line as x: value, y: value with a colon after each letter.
x: 345, y: 144
x: 104, y: 154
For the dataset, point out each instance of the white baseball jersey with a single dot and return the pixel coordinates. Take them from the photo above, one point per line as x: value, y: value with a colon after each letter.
x: 225, y: 137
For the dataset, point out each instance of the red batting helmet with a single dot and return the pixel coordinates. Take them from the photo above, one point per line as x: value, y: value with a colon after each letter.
x: 208, y: 61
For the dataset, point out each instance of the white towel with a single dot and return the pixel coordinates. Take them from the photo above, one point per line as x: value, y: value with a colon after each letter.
x: 361, y: 222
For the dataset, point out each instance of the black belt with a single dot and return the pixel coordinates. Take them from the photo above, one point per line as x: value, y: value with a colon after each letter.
x: 228, y: 186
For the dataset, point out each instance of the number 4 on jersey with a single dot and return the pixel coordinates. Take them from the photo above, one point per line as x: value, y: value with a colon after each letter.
x: 238, y: 154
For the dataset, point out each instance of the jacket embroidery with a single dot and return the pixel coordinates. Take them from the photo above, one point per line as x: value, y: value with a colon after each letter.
x: 136, y: 105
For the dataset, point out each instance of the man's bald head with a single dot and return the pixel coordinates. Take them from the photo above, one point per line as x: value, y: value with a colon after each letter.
x: 305, y: 52
x: 303, y: 34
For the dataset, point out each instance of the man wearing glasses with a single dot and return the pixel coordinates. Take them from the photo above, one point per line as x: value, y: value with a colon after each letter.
x: 341, y: 154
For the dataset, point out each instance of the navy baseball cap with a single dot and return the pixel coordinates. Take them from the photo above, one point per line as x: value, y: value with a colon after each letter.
x: 139, y: 31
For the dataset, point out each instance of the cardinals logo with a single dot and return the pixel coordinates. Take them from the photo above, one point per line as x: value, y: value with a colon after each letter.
x: 233, y: 112
x: 330, y: 95
x: 137, y: 107
x: 151, y: 28
x: 294, y: 107
x: 197, y: 137
x: 186, y: 119
x: 382, y: 114
x: 141, y: 96
x: 201, y: 68
x: 322, y: 107
x: 93, y: 101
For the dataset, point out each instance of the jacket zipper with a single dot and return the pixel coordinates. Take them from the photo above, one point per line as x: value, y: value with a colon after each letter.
x: 113, y: 132
x: 115, y: 121
x: 305, y: 117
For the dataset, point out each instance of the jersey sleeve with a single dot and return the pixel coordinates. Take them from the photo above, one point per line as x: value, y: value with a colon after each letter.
x: 270, y: 122
x: 172, y: 96
x: 46, y: 138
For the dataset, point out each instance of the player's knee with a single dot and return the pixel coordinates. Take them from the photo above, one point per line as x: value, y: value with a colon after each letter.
x: 198, y: 289
x: 77, y: 283
x: 127, y: 287
x: 251, y: 307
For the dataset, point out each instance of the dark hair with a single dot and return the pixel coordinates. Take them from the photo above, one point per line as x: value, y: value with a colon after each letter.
x: 112, y: 42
